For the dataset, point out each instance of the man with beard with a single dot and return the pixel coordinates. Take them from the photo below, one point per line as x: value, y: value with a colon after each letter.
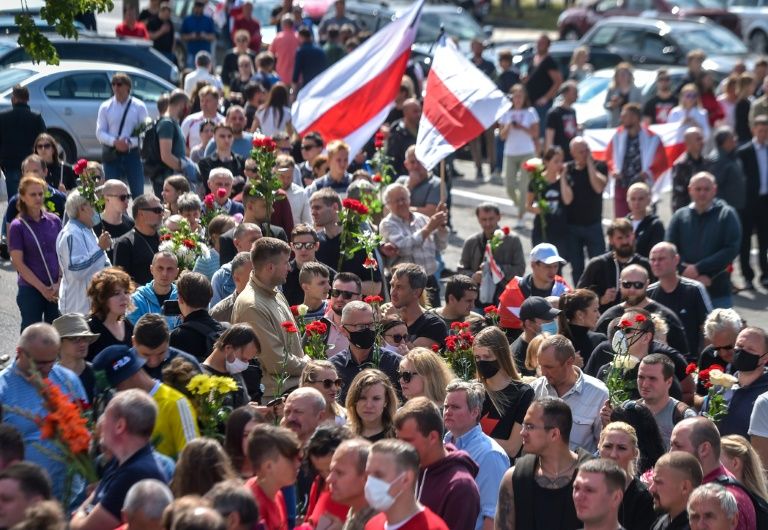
x: 346, y: 288
x: 602, y: 273
x: 675, y: 476
x: 241, y: 141
x: 633, y: 290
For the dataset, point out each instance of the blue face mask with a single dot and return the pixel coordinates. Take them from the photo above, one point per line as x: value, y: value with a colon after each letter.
x: 95, y: 218
x: 549, y: 327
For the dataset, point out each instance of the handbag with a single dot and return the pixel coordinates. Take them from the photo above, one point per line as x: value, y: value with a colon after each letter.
x: 108, y: 152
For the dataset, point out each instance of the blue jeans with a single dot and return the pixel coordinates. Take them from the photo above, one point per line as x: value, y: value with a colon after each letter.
x: 542, y: 110
x: 12, y: 179
x: 129, y: 169
x: 34, y: 307
x: 590, y: 236
x: 722, y: 302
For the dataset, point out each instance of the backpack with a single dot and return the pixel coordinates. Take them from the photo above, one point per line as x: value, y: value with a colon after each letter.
x: 760, y: 505
x: 678, y: 412
x: 150, y: 151
x: 211, y: 334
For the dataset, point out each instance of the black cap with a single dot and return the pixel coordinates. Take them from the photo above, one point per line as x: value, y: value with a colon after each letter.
x: 537, y: 307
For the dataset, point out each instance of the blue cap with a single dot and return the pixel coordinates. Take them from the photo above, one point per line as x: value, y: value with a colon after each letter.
x: 119, y: 362
x: 546, y: 253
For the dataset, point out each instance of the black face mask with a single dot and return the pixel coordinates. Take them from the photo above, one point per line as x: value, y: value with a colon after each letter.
x: 743, y: 361
x: 362, y: 339
x: 487, y: 369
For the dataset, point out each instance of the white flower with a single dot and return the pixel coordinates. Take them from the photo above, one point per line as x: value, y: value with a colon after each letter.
x: 166, y: 246
x: 302, y: 310
x: 499, y: 233
x: 718, y: 378
x: 625, y: 362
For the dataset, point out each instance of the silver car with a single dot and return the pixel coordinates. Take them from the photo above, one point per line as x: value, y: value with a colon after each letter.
x: 69, y: 95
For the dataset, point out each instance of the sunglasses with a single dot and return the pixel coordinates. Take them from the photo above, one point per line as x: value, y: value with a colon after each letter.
x: 407, y: 376
x: 117, y: 83
x: 157, y: 209
x: 724, y: 348
x: 632, y: 285
x: 328, y: 383
x: 304, y: 246
x: 397, y: 338
x: 124, y: 197
x: 308, y: 147
x: 347, y: 295
x: 43, y: 146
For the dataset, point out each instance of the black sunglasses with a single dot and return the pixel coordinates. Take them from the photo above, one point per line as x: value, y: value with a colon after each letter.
x: 124, y: 197
x: 157, y: 209
x: 304, y: 246
x: 397, y: 338
x: 347, y: 295
x: 407, y: 376
x: 634, y: 285
x: 308, y: 147
x: 328, y: 383
x: 43, y: 146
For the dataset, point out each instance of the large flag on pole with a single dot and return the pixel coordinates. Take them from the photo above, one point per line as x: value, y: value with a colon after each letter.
x: 351, y: 99
x: 460, y: 103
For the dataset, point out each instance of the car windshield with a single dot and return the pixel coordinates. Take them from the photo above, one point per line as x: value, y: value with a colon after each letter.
x: 459, y: 25
x: 13, y: 76
x: 713, y: 40
x: 697, y: 4
x: 591, y: 87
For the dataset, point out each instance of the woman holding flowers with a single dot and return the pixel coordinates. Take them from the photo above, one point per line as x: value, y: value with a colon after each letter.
x: 545, y: 199
x: 60, y: 174
x: 231, y: 356
x: 32, y: 245
x: 506, y: 397
x: 618, y: 442
x: 322, y: 375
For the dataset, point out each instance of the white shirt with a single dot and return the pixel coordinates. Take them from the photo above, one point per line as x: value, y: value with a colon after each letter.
x: 519, y: 142
x: 699, y: 115
x: 190, y: 127
x: 299, y: 202
x: 80, y: 257
x: 270, y: 122
x: 111, y: 114
x: 200, y: 74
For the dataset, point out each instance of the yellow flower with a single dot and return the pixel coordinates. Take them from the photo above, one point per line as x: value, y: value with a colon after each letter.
x: 718, y: 378
x: 200, y: 385
x: 225, y: 385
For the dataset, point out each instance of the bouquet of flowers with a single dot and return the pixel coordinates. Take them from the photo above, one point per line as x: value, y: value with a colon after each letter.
x: 458, y: 350
x: 353, y: 214
x: 618, y: 386
x: 314, y: 345
x: 717, y: 382
x: 208, y: 392
x: 492, y: 273
x: 211, y: 207
x: 267, y: 184
x: 492, y: 314
x: 88, y: 182
x: 498, y: 237
x: 184, y: 243
x: 535, y: 166
x: 298, y: 312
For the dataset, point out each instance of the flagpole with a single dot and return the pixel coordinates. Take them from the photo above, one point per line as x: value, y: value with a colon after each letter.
x: 443, y: 187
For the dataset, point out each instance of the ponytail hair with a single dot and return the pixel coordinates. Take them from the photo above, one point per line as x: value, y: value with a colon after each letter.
x: 578, y: 300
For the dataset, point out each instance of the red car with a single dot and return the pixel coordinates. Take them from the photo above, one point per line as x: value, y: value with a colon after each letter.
x: 576, y: 21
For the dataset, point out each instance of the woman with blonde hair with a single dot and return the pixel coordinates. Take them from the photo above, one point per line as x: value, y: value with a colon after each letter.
x: 579, y: 68
x: 689, y: 111
x: 506, y: 397
x: 371, y: 405
x: 621, y: 91
x: 530, y: 366
x: 618, y: 442
x: 322, y: 375
x: 424, y: 373
x: 740, y: 458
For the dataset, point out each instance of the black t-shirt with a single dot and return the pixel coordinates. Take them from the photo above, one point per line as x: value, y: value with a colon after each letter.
x: 134, y: 252
x: 428, y: 325
x: 164, y: 43
x: 587, y: 205
x: 105, y: 336
x: 687, y: 301
x: 88, y: 379
x: 515, y: 398
x: 636, y: 508
x: 539, y: 82
x: 115, y: 231
x: 555, y: 216
x: 235, y: 399
x: 519, y: 350
x: 657, y: 109
x: 563, y: 122
x: 329, y: 251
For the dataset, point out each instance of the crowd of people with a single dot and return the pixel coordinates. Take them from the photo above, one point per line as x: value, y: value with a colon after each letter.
x: 373, y: 387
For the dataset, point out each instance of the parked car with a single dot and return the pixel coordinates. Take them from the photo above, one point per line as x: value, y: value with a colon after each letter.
x: 8, y: 25
x: 69, y: 95
x: 561, y: 52
x: 754, y: 22
x: 574, y: 22
x: 665, y: 42
x: 92, y: 47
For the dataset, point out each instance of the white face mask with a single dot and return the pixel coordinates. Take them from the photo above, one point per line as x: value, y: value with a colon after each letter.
x: 236, y: 366
x: 377, y: 494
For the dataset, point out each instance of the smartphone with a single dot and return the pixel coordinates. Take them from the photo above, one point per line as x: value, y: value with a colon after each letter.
x: 171, y: 308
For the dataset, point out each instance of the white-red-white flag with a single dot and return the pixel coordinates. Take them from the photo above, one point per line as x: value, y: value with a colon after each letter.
x: 459, y: 104
x: 351, y: 99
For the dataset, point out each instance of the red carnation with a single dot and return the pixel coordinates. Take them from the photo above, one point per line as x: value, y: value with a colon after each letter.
x: 450, y: 342
x: 456, y: 325
x: 209, y: 200
x: 373, y: 299
x: 165, y: 237
x: 295, y: 310
x: 436, y: 348
x: 370, y: 263
x: 376, y: 178
x: 378, y: 140
x: 189, y: 244
x: 691, y: 368
x: 640, y: 318
x: 80, y: 166
x: 257, y: 142
x: 625, y: 324
x: 289, y: 327
x: 221, y: 193
x: 506, y: 230
x: 317, y: 328
x: 491, y: 309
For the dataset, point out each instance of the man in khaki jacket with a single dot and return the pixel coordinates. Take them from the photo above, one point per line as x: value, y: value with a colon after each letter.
x: 265, y: 308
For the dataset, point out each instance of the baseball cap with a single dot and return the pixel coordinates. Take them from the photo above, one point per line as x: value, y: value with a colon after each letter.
x: 74, y: 325
x: 537, y: 307
x: 546, y: 253
x: 119, y: 362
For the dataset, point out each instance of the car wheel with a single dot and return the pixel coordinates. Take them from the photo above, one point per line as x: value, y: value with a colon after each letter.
x: 758, y: 41
x: 66, y: 143
x: 571, y: 33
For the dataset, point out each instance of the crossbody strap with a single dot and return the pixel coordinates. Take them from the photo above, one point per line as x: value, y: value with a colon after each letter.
x: 40, y: 249
x: 125, y: 113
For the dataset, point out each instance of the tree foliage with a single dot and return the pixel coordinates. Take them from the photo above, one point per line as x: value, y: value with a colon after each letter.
x: 59, y: 14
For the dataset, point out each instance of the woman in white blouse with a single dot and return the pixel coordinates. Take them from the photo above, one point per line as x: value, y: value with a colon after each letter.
x: 689, y: 111
x: 274, y: 115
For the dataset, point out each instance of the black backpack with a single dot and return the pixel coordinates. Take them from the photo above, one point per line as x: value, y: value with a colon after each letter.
x: 211, y: 334
x: 760, y: 505
x: 150, y: 151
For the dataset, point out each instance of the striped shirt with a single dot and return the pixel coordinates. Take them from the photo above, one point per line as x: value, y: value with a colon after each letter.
x: 176, y: 423
x: 412, y: 246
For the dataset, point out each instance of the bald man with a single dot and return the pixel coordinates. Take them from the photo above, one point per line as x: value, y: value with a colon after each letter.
x: 707, y: 234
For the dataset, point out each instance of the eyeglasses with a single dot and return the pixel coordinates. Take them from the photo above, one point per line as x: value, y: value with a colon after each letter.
x: 407, y: 376
x: 632, y: 285
x: 532, y: 427
x: 124, y: 197
x: 397, y: 338
x: 724, y: 348
x: 304, y: 246
x: 117, y: 83
x: 328, y: 383
x: 308, y: 147
x: 157, y: 209
x: 347, y: 295
x: 44, y: 146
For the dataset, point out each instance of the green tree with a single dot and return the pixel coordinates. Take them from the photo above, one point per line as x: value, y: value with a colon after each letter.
x: 60, y: 14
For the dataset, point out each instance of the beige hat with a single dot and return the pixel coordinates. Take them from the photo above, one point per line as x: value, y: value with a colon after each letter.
x: 74, y: 325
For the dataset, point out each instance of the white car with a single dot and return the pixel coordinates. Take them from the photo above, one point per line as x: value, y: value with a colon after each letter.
x: 754, y: 22
x: 69, y: 95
